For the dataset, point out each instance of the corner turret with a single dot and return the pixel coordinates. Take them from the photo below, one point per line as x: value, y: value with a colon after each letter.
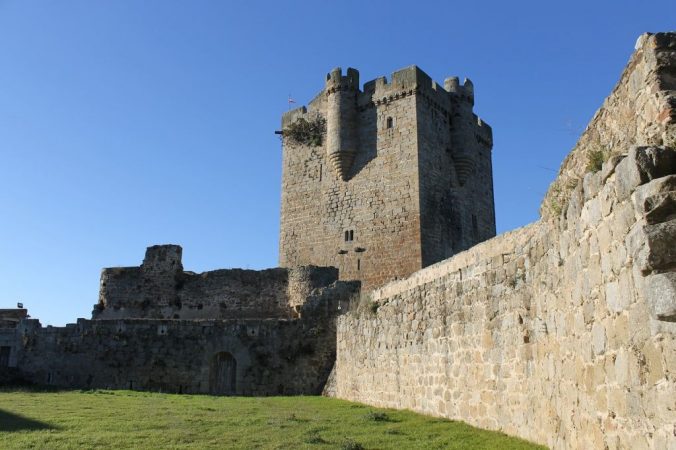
x: 341, y: 124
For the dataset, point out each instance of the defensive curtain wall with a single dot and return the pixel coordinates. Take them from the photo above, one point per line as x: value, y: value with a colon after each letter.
x: 157, y: 327
x: 563, y: 331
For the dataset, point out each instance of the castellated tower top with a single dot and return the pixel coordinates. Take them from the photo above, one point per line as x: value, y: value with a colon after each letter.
x: 399, y: 177
x: 336, y: 81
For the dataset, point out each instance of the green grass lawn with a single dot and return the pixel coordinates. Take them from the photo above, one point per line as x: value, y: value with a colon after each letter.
x: 139, y: 420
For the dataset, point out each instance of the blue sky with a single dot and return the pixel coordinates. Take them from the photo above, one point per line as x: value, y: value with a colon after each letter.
x: 130, y: 123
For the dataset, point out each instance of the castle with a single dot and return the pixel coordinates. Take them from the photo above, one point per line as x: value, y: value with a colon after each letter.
x: 355, y: 214
x: 562, y: 332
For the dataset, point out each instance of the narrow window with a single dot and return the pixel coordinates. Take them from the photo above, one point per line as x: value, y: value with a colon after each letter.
x: 320, y: 172
x: 347, y: 235
x: 475, y: 228
x: 352, y: 235
x: 390, y: 122
x: 358, y: 264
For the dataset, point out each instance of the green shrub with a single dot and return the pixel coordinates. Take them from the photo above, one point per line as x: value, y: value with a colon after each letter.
x: 595, y: 159
x: 306, y: 132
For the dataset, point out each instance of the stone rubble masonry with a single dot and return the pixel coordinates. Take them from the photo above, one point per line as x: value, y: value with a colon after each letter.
x: 160, y: 289
x: 563, y: 331
x: 157, y: 327
x: 404, y: 167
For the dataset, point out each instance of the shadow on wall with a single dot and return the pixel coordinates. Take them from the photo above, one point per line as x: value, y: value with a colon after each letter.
x: 14, y: 422
x: 368, y: 142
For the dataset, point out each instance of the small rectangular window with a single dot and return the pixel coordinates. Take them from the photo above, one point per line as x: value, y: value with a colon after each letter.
x: 352, y: 235
x: 347, y: 235
x: 358, y: 264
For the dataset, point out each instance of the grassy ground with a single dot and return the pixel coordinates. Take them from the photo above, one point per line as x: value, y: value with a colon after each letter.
x: 126, y: 419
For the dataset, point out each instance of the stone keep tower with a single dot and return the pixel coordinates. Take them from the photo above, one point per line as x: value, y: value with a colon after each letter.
x: 400, y: 179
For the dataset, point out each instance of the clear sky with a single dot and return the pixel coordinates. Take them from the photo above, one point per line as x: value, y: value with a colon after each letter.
x: 130, y: 123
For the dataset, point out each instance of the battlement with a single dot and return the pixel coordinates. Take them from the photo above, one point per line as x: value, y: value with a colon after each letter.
x: 411, y: 80
x: 335, y: 80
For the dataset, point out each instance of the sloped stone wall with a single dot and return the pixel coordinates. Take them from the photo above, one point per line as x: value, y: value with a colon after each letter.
x: 563, y: 331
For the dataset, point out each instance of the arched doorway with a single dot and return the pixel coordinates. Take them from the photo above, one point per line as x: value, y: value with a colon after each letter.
x: 222, y: 374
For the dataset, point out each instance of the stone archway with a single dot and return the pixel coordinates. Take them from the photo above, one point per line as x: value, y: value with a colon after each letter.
x: 223, y: 374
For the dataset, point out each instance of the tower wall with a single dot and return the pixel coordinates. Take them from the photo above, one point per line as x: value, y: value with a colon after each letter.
x: 376, y: 218
x: 456, y: 191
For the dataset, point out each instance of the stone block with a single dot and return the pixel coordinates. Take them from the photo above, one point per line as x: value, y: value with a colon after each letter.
x: 616, y: 300
x: 642, y: 165
x: 656, y: 199
x: 591, y: 184
x: 609, y: 166
x: 598, y: 339
x: 627, y: 176
x: 652, y: 247
x: 660, y: 292
x: 661, y: 244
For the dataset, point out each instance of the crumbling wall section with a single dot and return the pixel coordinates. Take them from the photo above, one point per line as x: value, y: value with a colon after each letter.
x: 160, y: 289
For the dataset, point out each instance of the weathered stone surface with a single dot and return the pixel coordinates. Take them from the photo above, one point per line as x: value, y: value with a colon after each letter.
x: 654, y: 162
x: 563, y: 309
x: 661, y: 241
x: 608, y: 167
x: 655, y: 187
x: 157, y: 327
x: 661, y: 295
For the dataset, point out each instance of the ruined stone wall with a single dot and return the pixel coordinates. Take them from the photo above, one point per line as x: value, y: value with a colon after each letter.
x: 396, y: 221
x: 562, y: 332
x: 159, y: 288
x: 265, y: 356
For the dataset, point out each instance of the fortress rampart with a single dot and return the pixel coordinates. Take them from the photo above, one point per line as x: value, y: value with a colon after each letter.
x: 160, y: 289
x: 563, y: 331
x: 157, y: 327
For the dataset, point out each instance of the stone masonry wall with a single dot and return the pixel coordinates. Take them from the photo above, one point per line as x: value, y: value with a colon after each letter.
x: 266, y: 356
x: 454, y: 156
x: 563, y: 331
x: 159, y: 288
